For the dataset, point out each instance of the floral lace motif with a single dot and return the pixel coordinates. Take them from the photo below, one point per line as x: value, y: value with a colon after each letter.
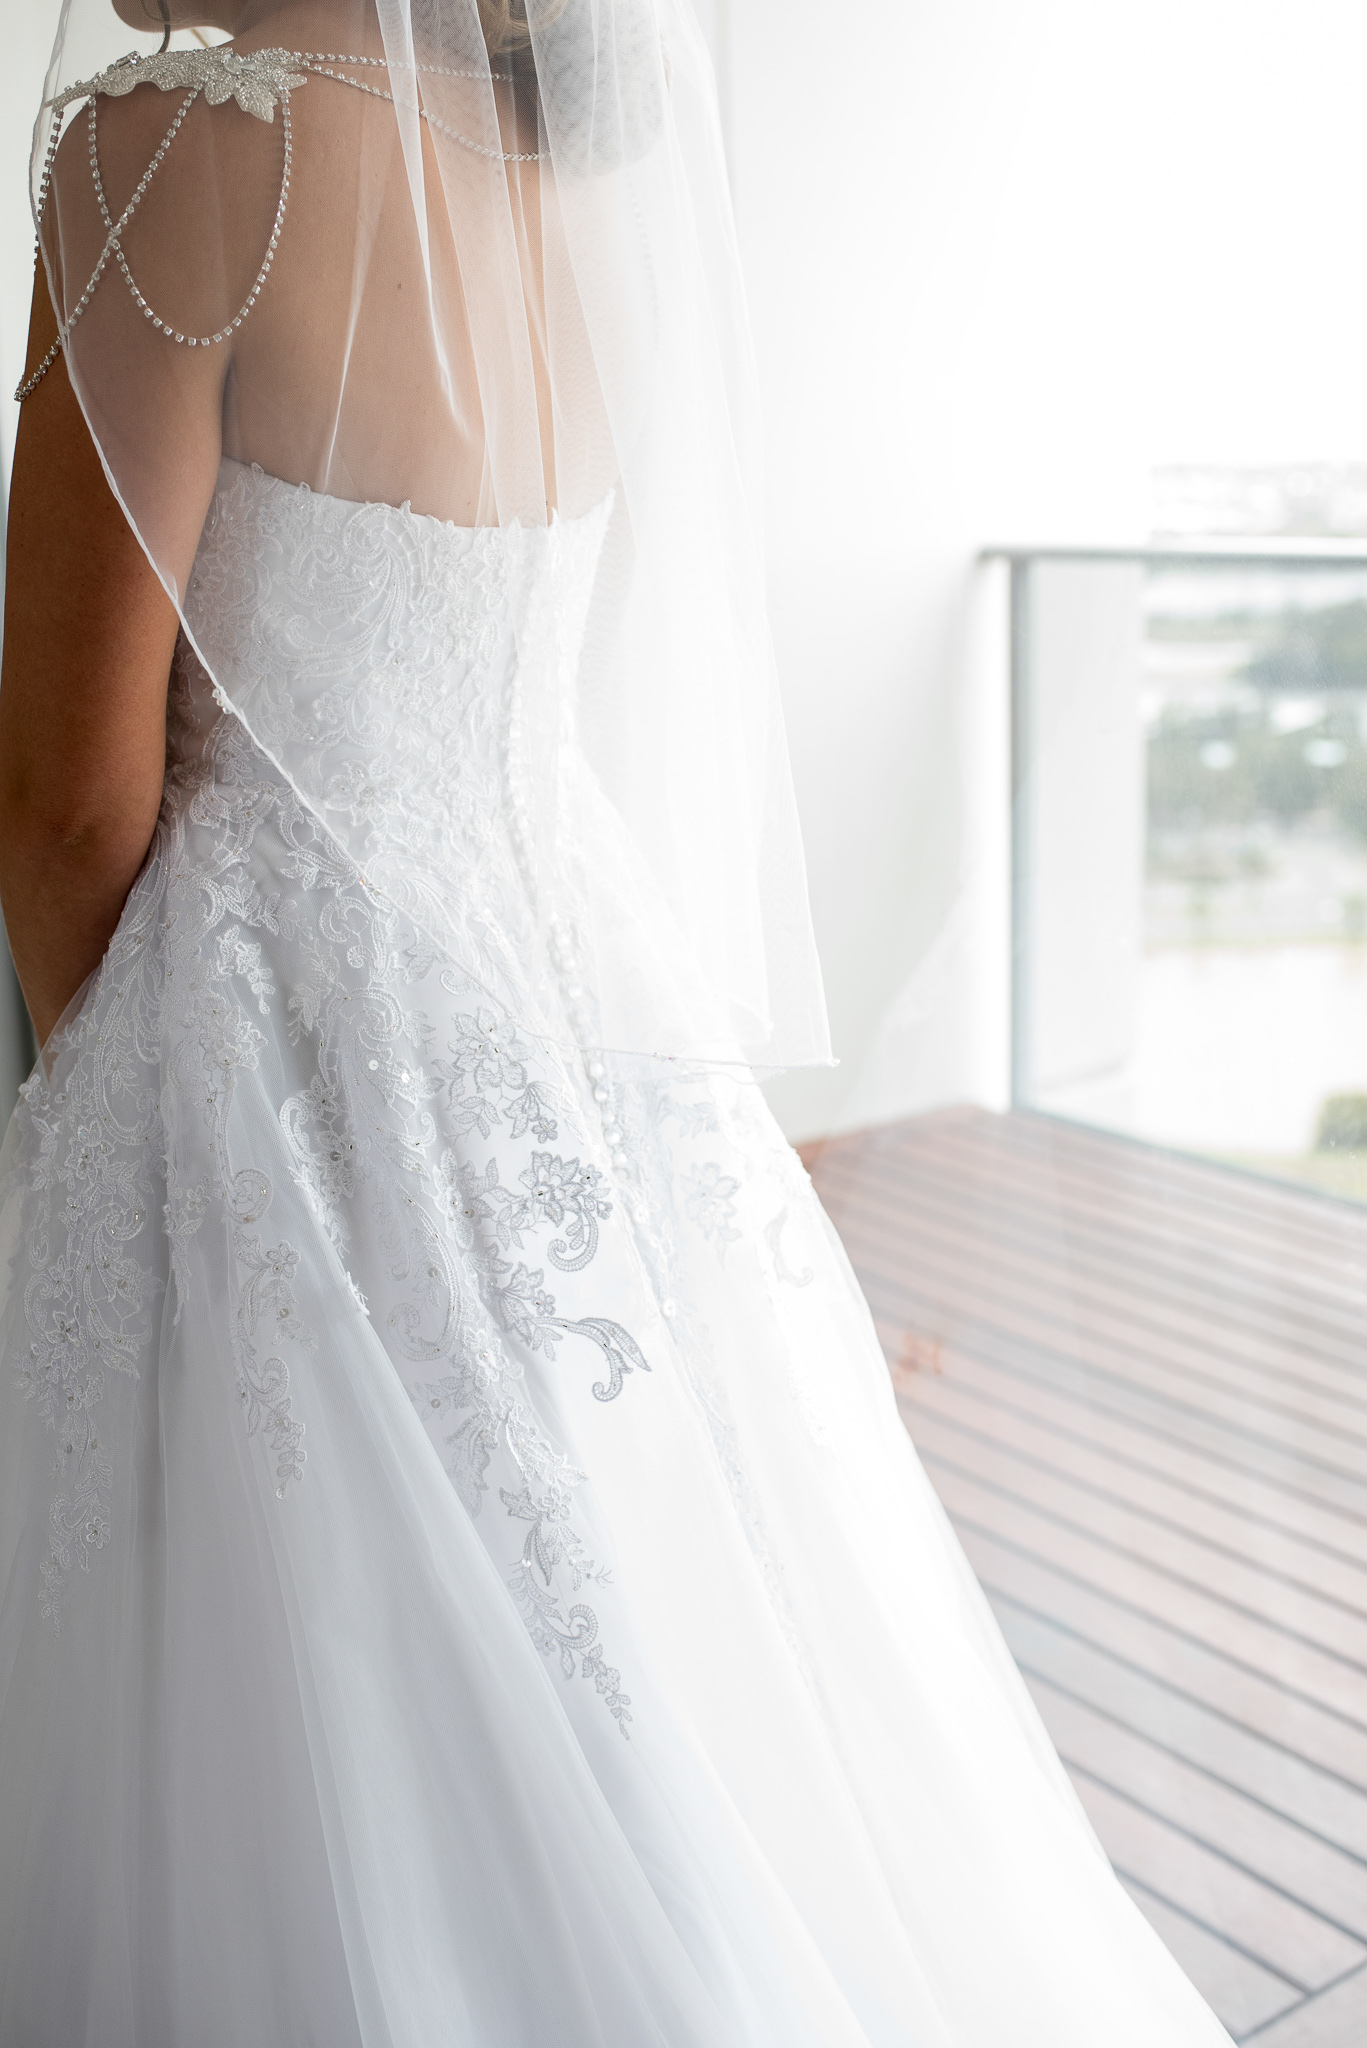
x: 92, y: 1280
x: 403, y: 724
x: 448, y: 1161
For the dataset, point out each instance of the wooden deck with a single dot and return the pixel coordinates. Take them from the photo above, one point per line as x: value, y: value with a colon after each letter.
x: 1139, y: 1384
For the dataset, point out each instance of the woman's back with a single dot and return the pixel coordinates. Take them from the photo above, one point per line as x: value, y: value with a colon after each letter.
x: 491, y: 279
x: 355, y: 366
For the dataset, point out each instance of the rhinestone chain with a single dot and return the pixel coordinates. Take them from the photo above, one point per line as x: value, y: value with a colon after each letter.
x: 312, y: 60
x: 383, y: 64
x: 32, y: 383
x: 115, y: 227
x: 200, y: 340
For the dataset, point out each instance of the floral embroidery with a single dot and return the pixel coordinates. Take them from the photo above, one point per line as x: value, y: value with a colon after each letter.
x: 557, y: 1191
x: 491, y: 1057
x: 568, y: 1635
x: 237, y: 955
x: 91, y: 1143
x: 551, y: 1541
x: 710, y: 1202
x: 695, y: 1119
x: 523, y: 1306
x: 254, y: 945
x: 325, y: 1148
x: 263, y: 1386
x: 184, y: 1211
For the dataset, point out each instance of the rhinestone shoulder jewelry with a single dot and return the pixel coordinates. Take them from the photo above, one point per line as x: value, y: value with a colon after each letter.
x: 259, y: 81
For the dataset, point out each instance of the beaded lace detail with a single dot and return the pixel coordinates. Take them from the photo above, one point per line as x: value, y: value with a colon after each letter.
x: 291, y: 1102
x: 258, y: 81
x: 258, y: 980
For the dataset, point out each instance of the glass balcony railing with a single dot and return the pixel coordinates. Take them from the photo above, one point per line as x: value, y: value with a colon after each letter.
x: 1189, y: 850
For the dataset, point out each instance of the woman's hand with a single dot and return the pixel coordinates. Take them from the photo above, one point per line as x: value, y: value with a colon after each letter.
x: 89, y: 635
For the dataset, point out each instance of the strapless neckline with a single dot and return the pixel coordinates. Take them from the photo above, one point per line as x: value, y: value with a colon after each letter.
x: 230, y: 469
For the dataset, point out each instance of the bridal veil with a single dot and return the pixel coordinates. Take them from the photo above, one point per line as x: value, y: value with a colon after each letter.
x: 495, y: 276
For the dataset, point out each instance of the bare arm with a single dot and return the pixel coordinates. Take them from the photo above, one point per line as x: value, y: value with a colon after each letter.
x: 89, y: 634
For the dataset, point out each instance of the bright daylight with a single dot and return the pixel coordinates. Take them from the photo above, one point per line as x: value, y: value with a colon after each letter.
x: 683, y: 1024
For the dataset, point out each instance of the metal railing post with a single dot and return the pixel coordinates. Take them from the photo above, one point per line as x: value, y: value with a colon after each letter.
x: 1022, y: 781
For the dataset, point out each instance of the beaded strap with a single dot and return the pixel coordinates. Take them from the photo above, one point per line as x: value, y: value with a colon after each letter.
x: 257, y: 82
x: 319, y: 64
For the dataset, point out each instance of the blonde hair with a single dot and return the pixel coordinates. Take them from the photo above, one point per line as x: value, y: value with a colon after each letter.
x: 506, y: 28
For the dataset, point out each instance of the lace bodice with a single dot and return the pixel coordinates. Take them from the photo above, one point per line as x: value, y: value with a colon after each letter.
x: 378, y: 656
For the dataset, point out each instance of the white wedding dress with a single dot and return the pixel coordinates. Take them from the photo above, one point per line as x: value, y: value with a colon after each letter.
x: 465, y: 1584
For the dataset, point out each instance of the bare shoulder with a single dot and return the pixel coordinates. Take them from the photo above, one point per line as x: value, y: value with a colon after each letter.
x: 186, y: 156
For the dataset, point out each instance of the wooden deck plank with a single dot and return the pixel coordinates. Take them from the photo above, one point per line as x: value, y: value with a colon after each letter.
x: 1299, y: 1667
x: 1180, y: 1659
x: 1328, y: 1229
x: 1321, y: 1540
x: 1174, y: 1279
x: 1174, y: 1305
x: 1165, y: 1231
x: 1139, y: 1385
x: 1243, y: 1992
x: 1307, y: 1237
x: 1227, y: 1752
x: 1263, y: 1844
x: 1037, y: 1370
x: 945, y: 1404
x: 1167, y: 1245
x: 1059, y: 1302
x: 1276, y: 1930
x: 1337, y: 2018
x: 1095, y: 1511
x: 1250, y: 1227
x: 1163, y: 1401
x: 956, y: 1296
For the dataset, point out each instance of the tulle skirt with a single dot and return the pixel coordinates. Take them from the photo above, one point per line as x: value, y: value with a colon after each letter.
x: 464, y: 1580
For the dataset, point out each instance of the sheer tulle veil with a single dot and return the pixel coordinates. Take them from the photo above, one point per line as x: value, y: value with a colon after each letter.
x: 462, y: 1575
x: 479, y: 259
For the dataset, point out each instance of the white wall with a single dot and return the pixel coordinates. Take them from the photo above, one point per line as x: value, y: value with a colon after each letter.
x: 1003, y: 257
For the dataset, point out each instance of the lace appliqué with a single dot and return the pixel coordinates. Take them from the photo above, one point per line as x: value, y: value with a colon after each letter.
x: 263, y: 1385
x: 258, y: 80
x: 709, y: 1201
x: 87, y: 1301
x: 92, y: 1144
x: 435, y: 1149
x: 364, y: 1130
x: 485, y: 1394
x: 489, y: 1059
x: 185, y: 1210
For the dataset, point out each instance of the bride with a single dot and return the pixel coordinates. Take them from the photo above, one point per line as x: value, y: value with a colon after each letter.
x: 464, y: 1581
